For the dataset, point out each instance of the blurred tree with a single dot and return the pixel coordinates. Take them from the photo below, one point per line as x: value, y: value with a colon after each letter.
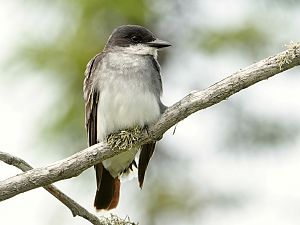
x: 249, y: 38
x: 254, y: 133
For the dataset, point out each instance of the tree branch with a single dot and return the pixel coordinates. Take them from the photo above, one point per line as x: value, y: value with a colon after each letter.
x: 193, y: 102
x: 76, y: 209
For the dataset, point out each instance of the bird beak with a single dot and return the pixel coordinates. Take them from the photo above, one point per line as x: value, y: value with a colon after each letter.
x: 158, y: 43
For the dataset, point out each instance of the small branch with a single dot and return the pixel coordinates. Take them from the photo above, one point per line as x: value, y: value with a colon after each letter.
x: 195, y: 101
x: 76, y: 209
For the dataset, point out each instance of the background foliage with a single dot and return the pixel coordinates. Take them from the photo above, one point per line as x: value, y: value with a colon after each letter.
x: 209, y: 40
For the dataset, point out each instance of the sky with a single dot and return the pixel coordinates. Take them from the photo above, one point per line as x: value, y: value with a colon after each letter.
x: 267, y: 182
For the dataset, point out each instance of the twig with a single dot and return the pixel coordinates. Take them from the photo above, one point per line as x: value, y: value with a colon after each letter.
x: 193, y: 102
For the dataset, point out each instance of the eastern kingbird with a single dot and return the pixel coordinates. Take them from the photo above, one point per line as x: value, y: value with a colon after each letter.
x: 122, y: 89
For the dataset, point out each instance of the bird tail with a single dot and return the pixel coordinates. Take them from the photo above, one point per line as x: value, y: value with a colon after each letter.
x: 108, y: 189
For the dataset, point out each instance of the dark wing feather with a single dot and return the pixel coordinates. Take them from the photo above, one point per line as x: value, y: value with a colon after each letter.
x: 91, y: 97
x: 157, y: 83
x: 145, y: 156
x: 107, y: 194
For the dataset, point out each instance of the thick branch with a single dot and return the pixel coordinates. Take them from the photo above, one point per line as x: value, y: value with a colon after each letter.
x: 76, y: 209
x: 195, y: 101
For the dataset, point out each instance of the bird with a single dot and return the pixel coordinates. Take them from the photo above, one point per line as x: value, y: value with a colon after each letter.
x: 122, y: 89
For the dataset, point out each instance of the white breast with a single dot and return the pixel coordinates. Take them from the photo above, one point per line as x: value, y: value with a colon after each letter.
x: 125, y: 102
x: 124, y: 106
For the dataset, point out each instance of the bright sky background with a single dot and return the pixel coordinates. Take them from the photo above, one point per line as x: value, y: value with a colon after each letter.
x: 269, y: 183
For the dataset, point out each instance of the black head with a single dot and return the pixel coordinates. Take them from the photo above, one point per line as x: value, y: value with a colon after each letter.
x: 128, y: 35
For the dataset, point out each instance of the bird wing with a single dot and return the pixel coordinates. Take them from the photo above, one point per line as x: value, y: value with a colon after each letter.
x: 107, y: 194
x: 91, y: 98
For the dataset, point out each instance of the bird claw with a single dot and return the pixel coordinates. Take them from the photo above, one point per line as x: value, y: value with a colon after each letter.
x: 146, y: 128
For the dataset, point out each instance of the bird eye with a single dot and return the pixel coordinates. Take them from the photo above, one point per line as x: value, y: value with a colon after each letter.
x: 135, y: 39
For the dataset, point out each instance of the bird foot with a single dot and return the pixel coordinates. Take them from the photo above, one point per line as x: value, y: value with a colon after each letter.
x: 124, y: 139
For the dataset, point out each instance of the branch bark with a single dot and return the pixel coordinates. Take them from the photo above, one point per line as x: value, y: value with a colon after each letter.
x: 76, y: 209
x: 193, y: 102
